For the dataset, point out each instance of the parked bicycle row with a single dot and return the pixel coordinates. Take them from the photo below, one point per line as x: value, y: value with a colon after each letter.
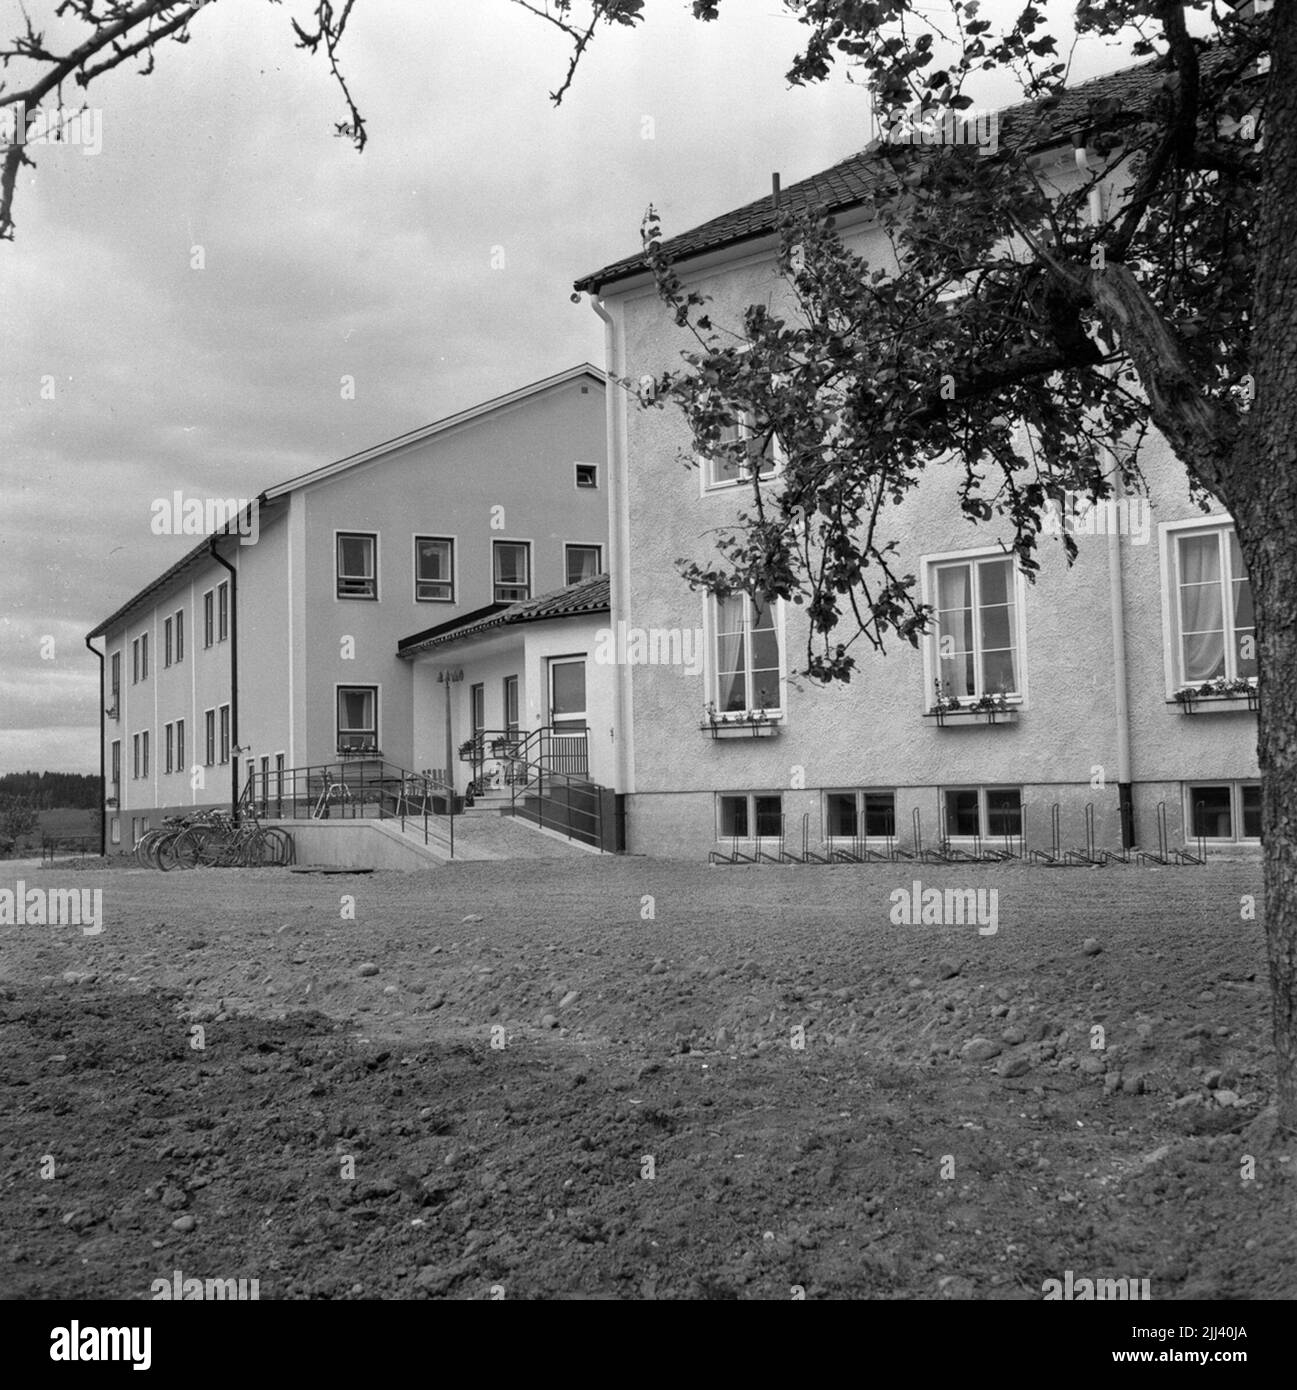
x: 211, y: 839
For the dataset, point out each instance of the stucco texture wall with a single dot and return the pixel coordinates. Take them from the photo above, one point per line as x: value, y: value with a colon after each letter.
x: 872, y: 732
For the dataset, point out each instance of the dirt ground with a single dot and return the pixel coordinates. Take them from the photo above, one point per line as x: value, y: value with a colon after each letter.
x: 582, y: 1079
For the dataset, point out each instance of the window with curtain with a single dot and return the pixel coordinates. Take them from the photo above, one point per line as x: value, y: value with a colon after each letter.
x: 736, y: 465
x: 357, y: 565
x: 1217, y: 638
x: 357, y: 717
x: 582, y: 562
x: 745, y: 654
x: 511, y: 562
x: 434, y: 572
x: 976, y: 639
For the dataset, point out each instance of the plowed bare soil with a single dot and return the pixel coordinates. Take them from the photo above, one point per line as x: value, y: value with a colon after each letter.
x: 637, y: 1079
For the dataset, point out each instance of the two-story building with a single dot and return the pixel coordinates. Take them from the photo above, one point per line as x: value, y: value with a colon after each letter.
x: 273, y: 644
x: 1084, y: 664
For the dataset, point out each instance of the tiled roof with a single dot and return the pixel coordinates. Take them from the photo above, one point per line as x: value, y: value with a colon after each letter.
x: 576, y: 600
x: 852, y: 182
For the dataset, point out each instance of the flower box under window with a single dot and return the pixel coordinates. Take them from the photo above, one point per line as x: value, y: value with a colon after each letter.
x: 1216, y: 697
x: 742, y: 724
x: 988, y: 709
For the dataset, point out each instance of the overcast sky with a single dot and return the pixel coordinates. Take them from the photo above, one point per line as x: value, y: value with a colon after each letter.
x: 321, y: 263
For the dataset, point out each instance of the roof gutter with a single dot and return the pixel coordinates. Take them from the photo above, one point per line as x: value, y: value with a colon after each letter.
x: 103, y: 786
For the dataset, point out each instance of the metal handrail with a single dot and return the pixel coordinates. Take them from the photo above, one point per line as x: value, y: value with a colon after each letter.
x: 397, y: 794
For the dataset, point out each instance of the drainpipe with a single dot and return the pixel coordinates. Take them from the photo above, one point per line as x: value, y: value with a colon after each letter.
x: 234, y: 675
x: 1117, y: 602
x: 618, y: 536
x: 103, y: 785
x: 1116, y: 588
x: 1117, y: 606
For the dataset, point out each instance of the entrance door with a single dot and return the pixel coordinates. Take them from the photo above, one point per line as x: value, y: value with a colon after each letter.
x: 477, y: 703
x: 567, y: 714
x: 511, y: 706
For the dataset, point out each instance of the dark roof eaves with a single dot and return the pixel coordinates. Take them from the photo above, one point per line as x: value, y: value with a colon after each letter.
x: 855, y: 166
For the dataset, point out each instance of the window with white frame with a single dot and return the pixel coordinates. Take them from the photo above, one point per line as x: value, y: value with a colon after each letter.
x: 732, y: 465
x: 225, y: 733
x: 976, y: 637
x: 746, y: 656
x: 582, y: 562
x: 434, y: 569
x: 169, y: 737
x: 357, y: 565
x: 115, y: 831
x: 587, y: 475
x: 749, y: 815
x: 209, y: 737
x: 116, y: 763
x: 166, y: 642
x: 180, y: 635
x: 116, y: 680
x: 135, y: 756
x: 1215, y: 627
x: 1223, y: 810
x: 511, y: 563
x: 180, y: 745
x: 986, y: 811
x: 144, y: 657
x: 853, y: 815
x: 358, y: 717
x: 135, y: 661
x: 144, y: 743
x: 209, y: 625
x: 223, y: 611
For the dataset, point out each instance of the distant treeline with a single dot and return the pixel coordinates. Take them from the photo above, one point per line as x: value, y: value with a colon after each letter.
x: 46, y: 790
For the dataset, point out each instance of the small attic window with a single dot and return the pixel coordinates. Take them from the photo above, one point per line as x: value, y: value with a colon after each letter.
x: 587, y: 475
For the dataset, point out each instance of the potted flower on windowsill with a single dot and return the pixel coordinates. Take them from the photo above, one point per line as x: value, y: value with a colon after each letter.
x: 759, y: 721
x: 995, y: 708
x: 1223, y: 692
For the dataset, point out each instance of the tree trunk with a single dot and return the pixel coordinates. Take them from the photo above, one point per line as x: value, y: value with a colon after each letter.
x: 1261, y: 492
x: 1271, y: 559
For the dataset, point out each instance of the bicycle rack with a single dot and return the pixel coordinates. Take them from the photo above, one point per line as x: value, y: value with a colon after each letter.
x: 717, y: 856
x: 1051, y: 858
x: 1185, y: 856
x: 1001, y: 856
x: 940, y: 855
x: 1146, y: 856
x: 809, y: 856
x: 1125, y: 855
x: 780, y: 856
x: 1087, y: 855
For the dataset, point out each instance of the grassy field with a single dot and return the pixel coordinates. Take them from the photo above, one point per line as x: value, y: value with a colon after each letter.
x: 636, y: 1079
x: 60, y: 823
